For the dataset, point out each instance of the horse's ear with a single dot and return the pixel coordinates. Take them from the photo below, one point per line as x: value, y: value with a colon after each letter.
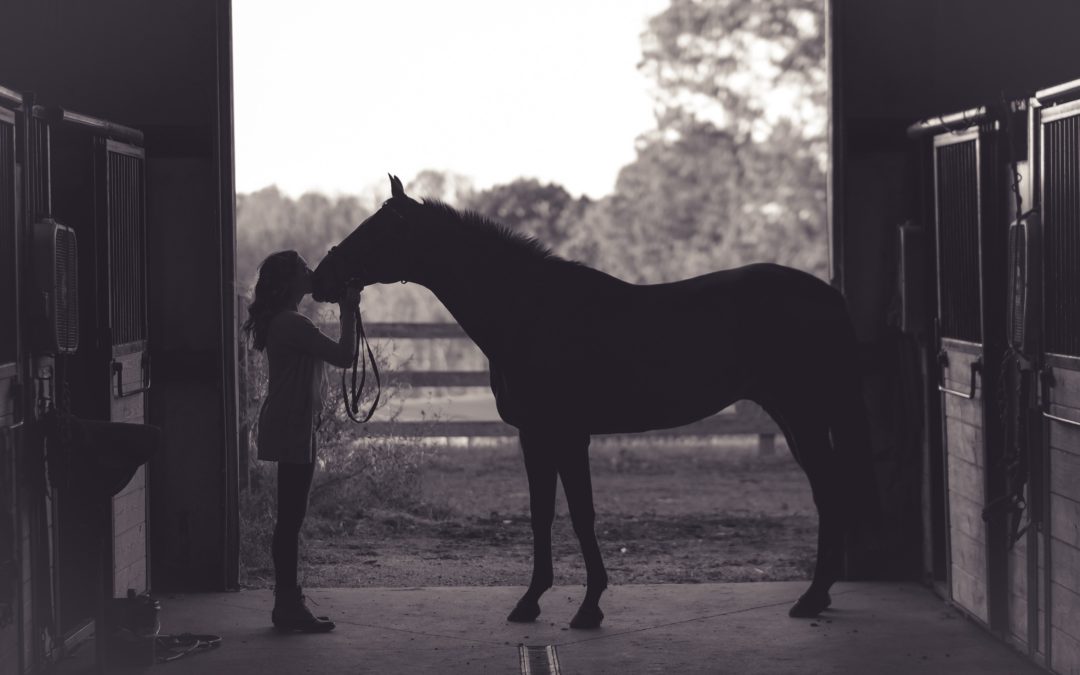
x: 396, y: 188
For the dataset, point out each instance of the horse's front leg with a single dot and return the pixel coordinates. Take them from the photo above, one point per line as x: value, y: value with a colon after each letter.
x: 540, y: 468
x: 573, y: 465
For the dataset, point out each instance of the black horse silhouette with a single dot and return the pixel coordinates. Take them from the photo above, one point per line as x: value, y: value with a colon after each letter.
x: 574, y: 351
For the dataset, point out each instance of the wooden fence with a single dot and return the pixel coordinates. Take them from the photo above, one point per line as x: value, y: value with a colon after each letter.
x: 746, y: 417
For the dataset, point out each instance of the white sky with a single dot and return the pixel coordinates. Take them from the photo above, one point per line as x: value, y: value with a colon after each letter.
x: 330, y: 95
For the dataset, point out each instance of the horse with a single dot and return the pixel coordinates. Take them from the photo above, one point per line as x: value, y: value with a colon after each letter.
x: 575, y: 352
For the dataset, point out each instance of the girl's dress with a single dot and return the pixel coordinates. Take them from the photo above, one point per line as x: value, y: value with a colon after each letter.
x: 296, y: 350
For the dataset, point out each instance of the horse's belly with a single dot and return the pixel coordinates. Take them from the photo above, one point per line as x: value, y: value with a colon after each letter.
x: 641, y: 401
x: 625, y: 403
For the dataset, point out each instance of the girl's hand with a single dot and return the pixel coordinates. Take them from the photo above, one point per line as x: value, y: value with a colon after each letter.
x: 351, y: 299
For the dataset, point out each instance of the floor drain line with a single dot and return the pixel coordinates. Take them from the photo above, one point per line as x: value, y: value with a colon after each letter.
x: 539, y: 660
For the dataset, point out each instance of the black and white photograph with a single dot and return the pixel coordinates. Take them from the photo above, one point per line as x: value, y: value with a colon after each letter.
x: 567, y: 337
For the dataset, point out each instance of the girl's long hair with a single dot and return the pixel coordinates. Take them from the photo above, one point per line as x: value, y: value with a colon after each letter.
x: 273, y: 293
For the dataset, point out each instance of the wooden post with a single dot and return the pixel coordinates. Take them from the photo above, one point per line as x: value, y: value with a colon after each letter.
x: 766, y: 444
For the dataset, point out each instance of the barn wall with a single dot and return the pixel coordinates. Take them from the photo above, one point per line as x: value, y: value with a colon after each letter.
x: 164, y: 68
x: 899, y: 61
x: 896, y: 62
x: 9, y: 369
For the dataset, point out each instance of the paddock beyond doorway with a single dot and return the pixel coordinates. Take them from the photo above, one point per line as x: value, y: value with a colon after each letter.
x: 674, y: 511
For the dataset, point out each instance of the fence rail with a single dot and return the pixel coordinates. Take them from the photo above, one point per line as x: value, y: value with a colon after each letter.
x: 745, y: 417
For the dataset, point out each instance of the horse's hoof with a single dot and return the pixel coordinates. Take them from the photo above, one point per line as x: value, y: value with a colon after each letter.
x: 525, y: 612
x: 587, y: 617
x: 810, y: 605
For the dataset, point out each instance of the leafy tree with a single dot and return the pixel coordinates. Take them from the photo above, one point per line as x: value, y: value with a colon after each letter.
x: 545, y: 211
x: 733, y: 173
x: 743, y: 65
x: 730, y: 175
x: 446, y: 186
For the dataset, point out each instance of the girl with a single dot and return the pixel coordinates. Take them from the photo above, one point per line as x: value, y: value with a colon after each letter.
x: 296, y: 350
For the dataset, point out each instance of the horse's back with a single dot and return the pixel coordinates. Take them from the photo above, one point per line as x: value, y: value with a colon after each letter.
x: 627, y: 357
x: 747, y: 309
x: 766, y: 325
x: 772, y: 301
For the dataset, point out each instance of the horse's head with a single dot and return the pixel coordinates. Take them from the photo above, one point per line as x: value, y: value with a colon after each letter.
x: 378, y: 251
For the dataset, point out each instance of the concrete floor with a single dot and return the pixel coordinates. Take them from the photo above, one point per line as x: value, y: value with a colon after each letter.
x: 877, y: 628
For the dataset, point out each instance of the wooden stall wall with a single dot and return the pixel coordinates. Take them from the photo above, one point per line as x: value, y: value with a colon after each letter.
x: 965, y: 459
x: 1026, y: 606
x: 1056, y: 130
x: 1064, y: 470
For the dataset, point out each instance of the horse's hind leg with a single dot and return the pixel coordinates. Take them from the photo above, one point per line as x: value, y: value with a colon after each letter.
x: 573, y: 466
x: 808, y: 439
x: 541, y: 471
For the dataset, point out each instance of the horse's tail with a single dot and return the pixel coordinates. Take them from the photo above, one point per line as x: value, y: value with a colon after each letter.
x: 850, y: 427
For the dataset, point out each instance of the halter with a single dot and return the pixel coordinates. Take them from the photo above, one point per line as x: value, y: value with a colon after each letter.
x: 391, y: 209
x: 352, y: 394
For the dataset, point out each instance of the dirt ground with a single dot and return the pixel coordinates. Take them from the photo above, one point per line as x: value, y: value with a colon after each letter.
x: 665, y: 513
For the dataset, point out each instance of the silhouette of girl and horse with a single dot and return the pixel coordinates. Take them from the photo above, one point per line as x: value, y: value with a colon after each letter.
x: 575, y: 352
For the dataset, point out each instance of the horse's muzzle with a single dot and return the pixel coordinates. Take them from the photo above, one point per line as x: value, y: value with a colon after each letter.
x: 322, y: 291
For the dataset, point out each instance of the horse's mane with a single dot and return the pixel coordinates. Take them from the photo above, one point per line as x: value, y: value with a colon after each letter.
x: 481, y: 228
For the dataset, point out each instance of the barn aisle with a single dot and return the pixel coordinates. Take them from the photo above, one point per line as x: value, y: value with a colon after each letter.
x: 881, y: 628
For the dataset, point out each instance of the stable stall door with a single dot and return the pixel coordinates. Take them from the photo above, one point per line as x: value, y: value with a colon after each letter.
x: 1058, y: 130
x: 120, y: 176
x: 958, y: 223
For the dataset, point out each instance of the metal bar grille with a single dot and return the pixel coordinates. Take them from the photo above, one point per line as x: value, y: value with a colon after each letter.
x: 8, y: 324
x: 39, y: 169
x: 958, y: 240
x: 127, y: 263
x: 1061, y: 234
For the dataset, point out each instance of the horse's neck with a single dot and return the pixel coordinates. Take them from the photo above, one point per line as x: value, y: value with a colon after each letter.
x: 477, y: 315
x: 480, y: 295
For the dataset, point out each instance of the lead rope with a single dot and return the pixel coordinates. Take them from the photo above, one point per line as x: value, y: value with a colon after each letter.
x: 352, y: 397
x: 1014, y: 461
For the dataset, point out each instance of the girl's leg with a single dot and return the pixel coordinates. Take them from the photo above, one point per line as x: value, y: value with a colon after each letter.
x: 294, y: 483
x: 290, y: 610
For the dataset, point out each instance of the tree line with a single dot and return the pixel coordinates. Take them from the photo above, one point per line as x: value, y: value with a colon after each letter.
x: 733, y: 172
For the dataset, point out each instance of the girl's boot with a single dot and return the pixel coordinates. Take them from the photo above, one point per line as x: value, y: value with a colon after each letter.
x: 291, y: 613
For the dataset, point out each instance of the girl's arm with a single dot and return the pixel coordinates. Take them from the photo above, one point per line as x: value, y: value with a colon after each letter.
x: 307, y: 337
x: 348, y: 309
